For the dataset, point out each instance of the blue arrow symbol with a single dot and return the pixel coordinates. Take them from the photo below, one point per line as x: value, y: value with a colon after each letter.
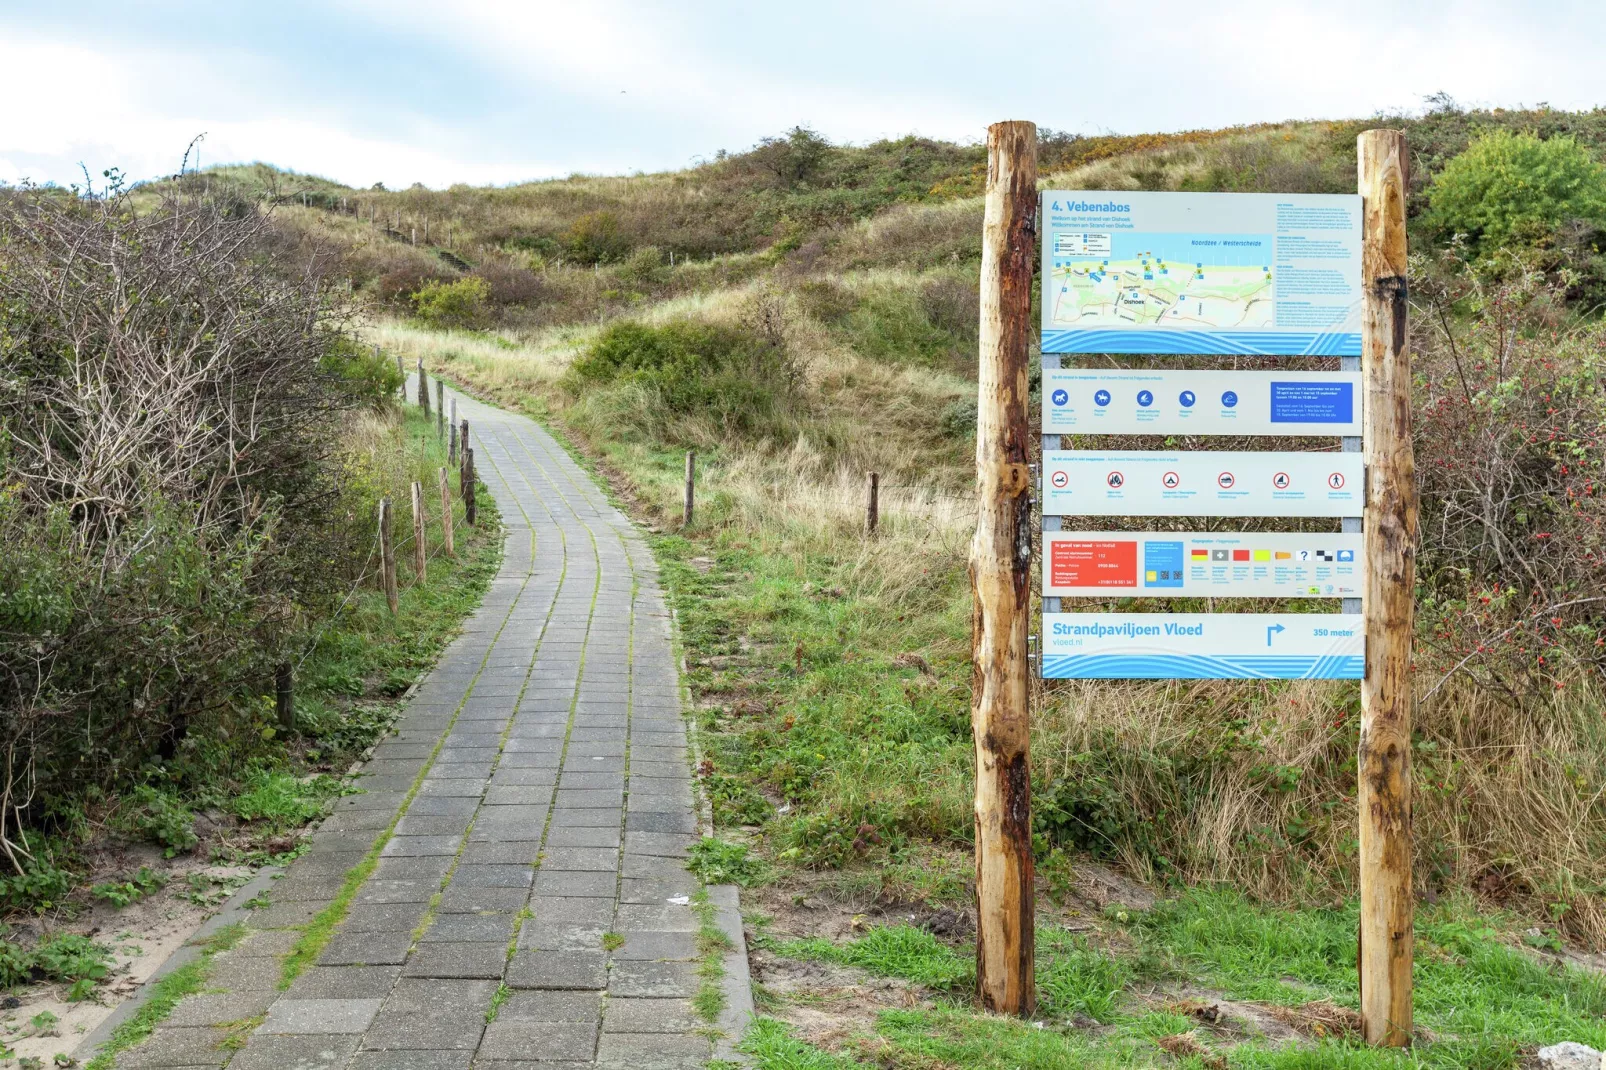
x: 1273, y: 629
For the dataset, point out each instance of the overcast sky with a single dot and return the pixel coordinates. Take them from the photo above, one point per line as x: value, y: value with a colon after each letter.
x: 496, y: 91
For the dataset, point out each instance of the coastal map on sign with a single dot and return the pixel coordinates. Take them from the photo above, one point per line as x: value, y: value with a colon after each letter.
x: 1132, y: 272
x: 1209, y: 281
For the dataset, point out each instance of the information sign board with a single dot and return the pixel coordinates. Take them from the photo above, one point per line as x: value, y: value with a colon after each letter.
x: 1249, y: 273
x: 1182, y: 402
x: 1201, y: 483
x: 1203, y: 646
x: 1190, y: 564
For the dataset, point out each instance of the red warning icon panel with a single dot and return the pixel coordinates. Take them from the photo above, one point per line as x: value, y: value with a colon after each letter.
x: 1281, y: 483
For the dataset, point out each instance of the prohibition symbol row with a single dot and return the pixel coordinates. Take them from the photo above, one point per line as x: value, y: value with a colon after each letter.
x: 1173, y: 481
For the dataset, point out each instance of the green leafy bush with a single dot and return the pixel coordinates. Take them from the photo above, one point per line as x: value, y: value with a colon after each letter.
x: 1511, y: 189
x: 65, y: 957
x: 719, y: 862
x: 459, y: 303
x: 735, y: 377
x: 40, y: 886
x: 163, y: 820
x: 123, y: 893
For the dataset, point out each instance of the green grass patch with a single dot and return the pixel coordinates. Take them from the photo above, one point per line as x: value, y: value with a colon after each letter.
x: 165, y: 994
x: 891, y: 951
x: 712, y: 947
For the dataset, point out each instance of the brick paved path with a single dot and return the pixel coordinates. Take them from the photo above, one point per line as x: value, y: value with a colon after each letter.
x: 557, y: 808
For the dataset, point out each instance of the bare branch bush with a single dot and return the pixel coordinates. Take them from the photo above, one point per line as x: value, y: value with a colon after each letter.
x: 170, y: 509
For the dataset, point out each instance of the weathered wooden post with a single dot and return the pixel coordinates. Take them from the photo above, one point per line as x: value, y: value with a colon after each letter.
x: 1384, y: 760
x: 470, y: 512
x: 690, y: 498
x: 387, y: 557
x: 451, y: 438
x: 401, y: 370
x: 423, y: 387
x: 284, y: 696
x: 872, y: 508
x: 440, y: 406
x: 1000, y: 575
x: 447, y: 541
x: 420, y: 541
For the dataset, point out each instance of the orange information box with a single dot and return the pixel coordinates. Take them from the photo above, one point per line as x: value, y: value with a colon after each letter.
x: 1104, y: 563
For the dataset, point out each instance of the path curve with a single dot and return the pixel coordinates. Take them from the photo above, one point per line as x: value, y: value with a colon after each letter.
x: 541, y: 789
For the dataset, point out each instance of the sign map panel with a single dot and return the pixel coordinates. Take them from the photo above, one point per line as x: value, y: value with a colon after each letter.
x: 1247, y: 273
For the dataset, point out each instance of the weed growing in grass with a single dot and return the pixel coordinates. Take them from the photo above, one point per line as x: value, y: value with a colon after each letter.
x: 720, y: 862
x: 281, y: 800
x: 122, y: 893
x: 59, y: 957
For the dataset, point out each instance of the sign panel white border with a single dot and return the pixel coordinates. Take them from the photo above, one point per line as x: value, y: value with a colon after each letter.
x: 1192, y: 564
x: 1245, y: 273
x: 1201, y: 483
x: 1187, y: 402
x: 1203, y: 646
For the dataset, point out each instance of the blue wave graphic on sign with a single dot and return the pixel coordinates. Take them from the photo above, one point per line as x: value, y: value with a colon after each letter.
x: 1246, y: 343
x: 1202, y: 667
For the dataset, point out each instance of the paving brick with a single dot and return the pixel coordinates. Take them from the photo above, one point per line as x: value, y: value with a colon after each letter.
x: 544, y: 1041
x: 218, y: 1007
x: 628, y: 1014
x: 177, y: 1046
x: 384, y: 917
x: 398, y: 891
x: 414, y: 867
x: 558, y: 969
x: 563, y: 882
x: 573, y: 910
x: 657, y: 945
x: 412, y: 1060
x: 469, y: 928
x: 581, y: 859
x: 290, y: 1015
x: 431, y: 1013
x: 264, y: 1051
x: 659, y: 1051
x: 462, y: 899
x: 345, y: 982
x: 653, y: 979
x: 551, y: 1006
x: 367, y: 949
x: 457, y: 960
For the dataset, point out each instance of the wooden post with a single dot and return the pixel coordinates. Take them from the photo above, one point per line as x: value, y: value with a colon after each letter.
x: 872, y: 509
x: 690, y: 498
x: 462, y: 438
x: 401, y: 370
x: 440, y: 406
x: 423, y: 387
x: 451, y: 441
x: 387, y: 557
x: 420, y: 541
x: 1384, y: 760
x: 284, y: 696
x: 470, y: 511
x: 447, y: 541
x: 1000, y: 573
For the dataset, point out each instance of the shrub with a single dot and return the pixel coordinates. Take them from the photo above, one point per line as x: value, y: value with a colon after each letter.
x: 595, y: 238
x: 460, y: 303
x: 733, y: 376
x: 1515, y: 189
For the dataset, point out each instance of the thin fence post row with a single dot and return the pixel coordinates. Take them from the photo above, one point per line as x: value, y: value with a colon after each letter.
x: 451, y: 444
x: 387, y: 557
x: 284, y: 696
x: 690, y: 499
x: 872, y: 508
x: 446, y: 514
x: 420, y: 543
x: 440, y: 407
x: 423, y: 387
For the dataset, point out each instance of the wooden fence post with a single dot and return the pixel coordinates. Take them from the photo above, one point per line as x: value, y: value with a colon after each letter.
x: 401, y: 370
x: 447, y: 541
x: 1000, y: 574
x: 440, y: 406
x: 451, y: 446
x: 1384, y: 759
x: 872, y: 509
x: 690, y: 499
x: 420, y: 542
x: 423, y: 387
x: 284, y: 696
x: 470, y: 506
x: 387, y: 557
